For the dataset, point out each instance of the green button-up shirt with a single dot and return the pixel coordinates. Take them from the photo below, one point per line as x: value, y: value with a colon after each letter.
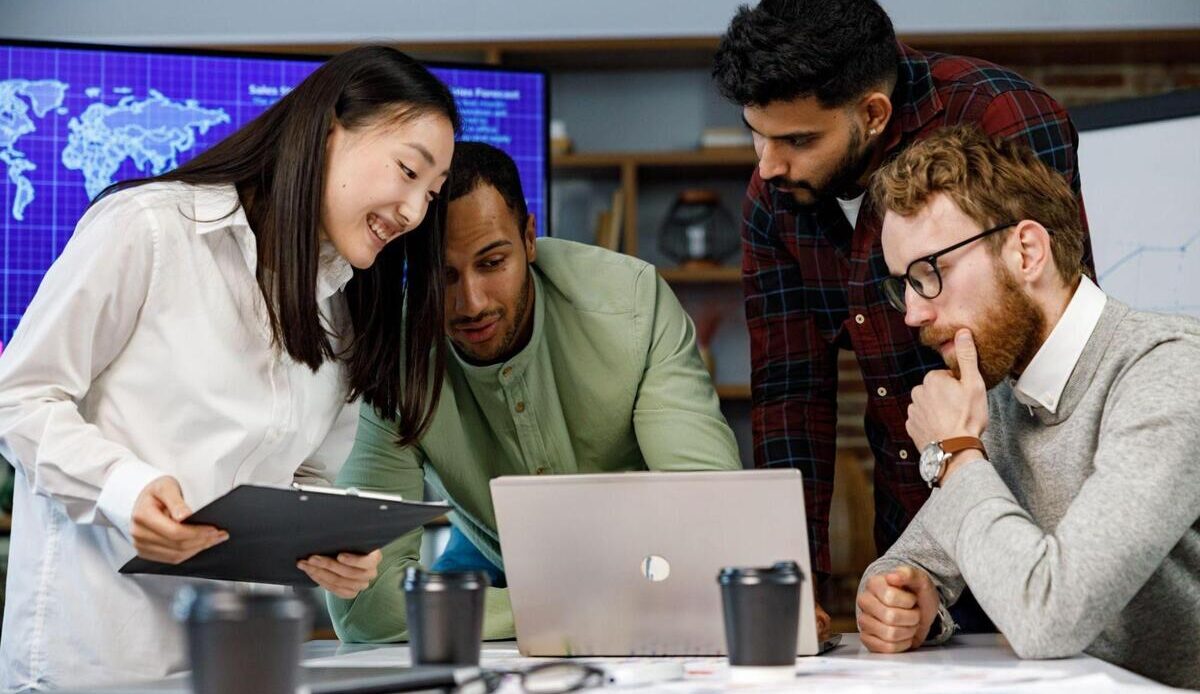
x: 610, y: 381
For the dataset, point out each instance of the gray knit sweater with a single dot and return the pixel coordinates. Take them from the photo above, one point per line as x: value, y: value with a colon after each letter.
x: 1082, y: 532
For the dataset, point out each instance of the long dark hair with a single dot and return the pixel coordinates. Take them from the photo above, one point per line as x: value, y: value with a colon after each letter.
x: 277, y: 162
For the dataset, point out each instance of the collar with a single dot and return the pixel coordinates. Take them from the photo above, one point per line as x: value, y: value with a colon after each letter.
x: 218, y: 207
x: 1046, y: 376
x: 515, y: 365
x: 333, y: 271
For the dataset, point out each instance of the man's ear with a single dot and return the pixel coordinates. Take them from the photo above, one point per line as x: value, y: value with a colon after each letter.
x: 1035, y: 257
x: 874, y: 112
x: 529, y: 237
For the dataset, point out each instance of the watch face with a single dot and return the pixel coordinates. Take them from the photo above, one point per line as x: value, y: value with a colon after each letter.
x: 931, y: 462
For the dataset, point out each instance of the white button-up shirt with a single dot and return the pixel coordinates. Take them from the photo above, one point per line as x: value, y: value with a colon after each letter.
x: 146, y: 352
x: 1046, y: 376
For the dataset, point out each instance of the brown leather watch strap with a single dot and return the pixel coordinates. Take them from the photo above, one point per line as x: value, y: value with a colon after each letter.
x: 958, y: 444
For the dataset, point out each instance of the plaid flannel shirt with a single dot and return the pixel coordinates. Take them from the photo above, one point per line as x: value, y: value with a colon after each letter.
x: 812, y: 288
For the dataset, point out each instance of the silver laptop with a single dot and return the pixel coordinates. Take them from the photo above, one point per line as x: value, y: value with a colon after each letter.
x: 626, y: 564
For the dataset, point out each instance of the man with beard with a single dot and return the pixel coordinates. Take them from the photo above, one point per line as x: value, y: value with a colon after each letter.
x: 1061, y: 445
x: 829, y: 94
x: 565, y: 359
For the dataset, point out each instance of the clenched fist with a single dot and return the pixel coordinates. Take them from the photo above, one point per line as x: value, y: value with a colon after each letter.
x: 896, y: 609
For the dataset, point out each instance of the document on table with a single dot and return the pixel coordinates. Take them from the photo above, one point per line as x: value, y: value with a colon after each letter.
x: 819, y: 674
x: 702, y: 675
x: 386, y: 656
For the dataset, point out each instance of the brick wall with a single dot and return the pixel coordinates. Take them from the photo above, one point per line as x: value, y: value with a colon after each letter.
x: 1078, y: 85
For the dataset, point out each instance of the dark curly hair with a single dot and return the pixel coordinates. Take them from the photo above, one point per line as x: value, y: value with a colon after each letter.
x: 782, y: 50
x: 477, y: 164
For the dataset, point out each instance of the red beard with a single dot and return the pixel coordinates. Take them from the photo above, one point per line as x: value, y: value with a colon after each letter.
x: 1006, y: 336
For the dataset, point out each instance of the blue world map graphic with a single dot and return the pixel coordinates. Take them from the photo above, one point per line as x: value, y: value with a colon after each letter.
x: 75, y: 120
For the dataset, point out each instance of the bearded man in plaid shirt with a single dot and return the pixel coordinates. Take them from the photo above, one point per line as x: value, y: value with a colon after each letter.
x: 829, y: 95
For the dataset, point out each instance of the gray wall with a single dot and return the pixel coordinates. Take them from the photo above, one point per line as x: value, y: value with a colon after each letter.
x: 642, y: 110
x: 175, y: 22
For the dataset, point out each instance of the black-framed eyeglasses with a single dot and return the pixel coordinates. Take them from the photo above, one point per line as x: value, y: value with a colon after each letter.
x: 557, y: 677
x: 923, y: 274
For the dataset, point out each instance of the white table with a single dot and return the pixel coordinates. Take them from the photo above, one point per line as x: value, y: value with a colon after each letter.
x: 977, y: 651
x: 987, y: 650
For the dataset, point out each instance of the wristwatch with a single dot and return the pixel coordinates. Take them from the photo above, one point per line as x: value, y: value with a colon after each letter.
x: 935, y: 456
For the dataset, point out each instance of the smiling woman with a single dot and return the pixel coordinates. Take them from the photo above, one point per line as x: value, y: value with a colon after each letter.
x: 382, y: 180
x: 213, y: 326
x: 311, y: 162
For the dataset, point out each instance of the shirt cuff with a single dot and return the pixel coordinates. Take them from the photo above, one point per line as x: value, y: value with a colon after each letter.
x: 120, y: 492
x: 943, y: 626
x: 946, y: 510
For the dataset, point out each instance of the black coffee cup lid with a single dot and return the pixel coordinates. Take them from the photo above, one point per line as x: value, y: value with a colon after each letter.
x: 206, y: 605
x: 781, y: 573
x: 416, y: 578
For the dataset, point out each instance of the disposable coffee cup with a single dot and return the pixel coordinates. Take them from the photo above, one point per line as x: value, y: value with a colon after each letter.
x: 445, y: 615
x: 242, y: 643
x: 762, y: 615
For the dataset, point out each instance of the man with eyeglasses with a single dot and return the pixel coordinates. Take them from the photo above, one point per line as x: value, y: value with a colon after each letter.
x: 828, y: 94
x: 1062, y: 444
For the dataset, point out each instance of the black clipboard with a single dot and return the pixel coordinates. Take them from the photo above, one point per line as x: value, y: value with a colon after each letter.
x: 271, y: 528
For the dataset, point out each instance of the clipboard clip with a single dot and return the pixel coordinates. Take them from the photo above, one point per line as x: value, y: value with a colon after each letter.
x: 344, y: 491
x: 339, y: 491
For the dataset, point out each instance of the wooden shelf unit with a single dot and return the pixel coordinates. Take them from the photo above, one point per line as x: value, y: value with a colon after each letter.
x: 701, y: 275
x: 1006, y: 47
x: 630, y: 167
x: 719, y: 157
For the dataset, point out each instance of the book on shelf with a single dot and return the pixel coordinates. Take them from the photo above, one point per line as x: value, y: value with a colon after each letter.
x: 609, y: 222
x: 722, y: 138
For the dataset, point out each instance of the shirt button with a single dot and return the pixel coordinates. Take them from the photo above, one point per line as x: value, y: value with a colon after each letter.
x: 520, y: 407
x: 903, y: 454
x: 860, y: 319
x: 882, y: 392
x: 506, y: 372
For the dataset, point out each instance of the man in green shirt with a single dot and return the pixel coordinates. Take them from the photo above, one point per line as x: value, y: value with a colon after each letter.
x: 566, y: 359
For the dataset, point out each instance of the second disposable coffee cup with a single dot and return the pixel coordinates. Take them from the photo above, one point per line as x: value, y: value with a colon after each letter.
x: 762, y: 614
x: 445, y: 615
x: 243, y: 643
